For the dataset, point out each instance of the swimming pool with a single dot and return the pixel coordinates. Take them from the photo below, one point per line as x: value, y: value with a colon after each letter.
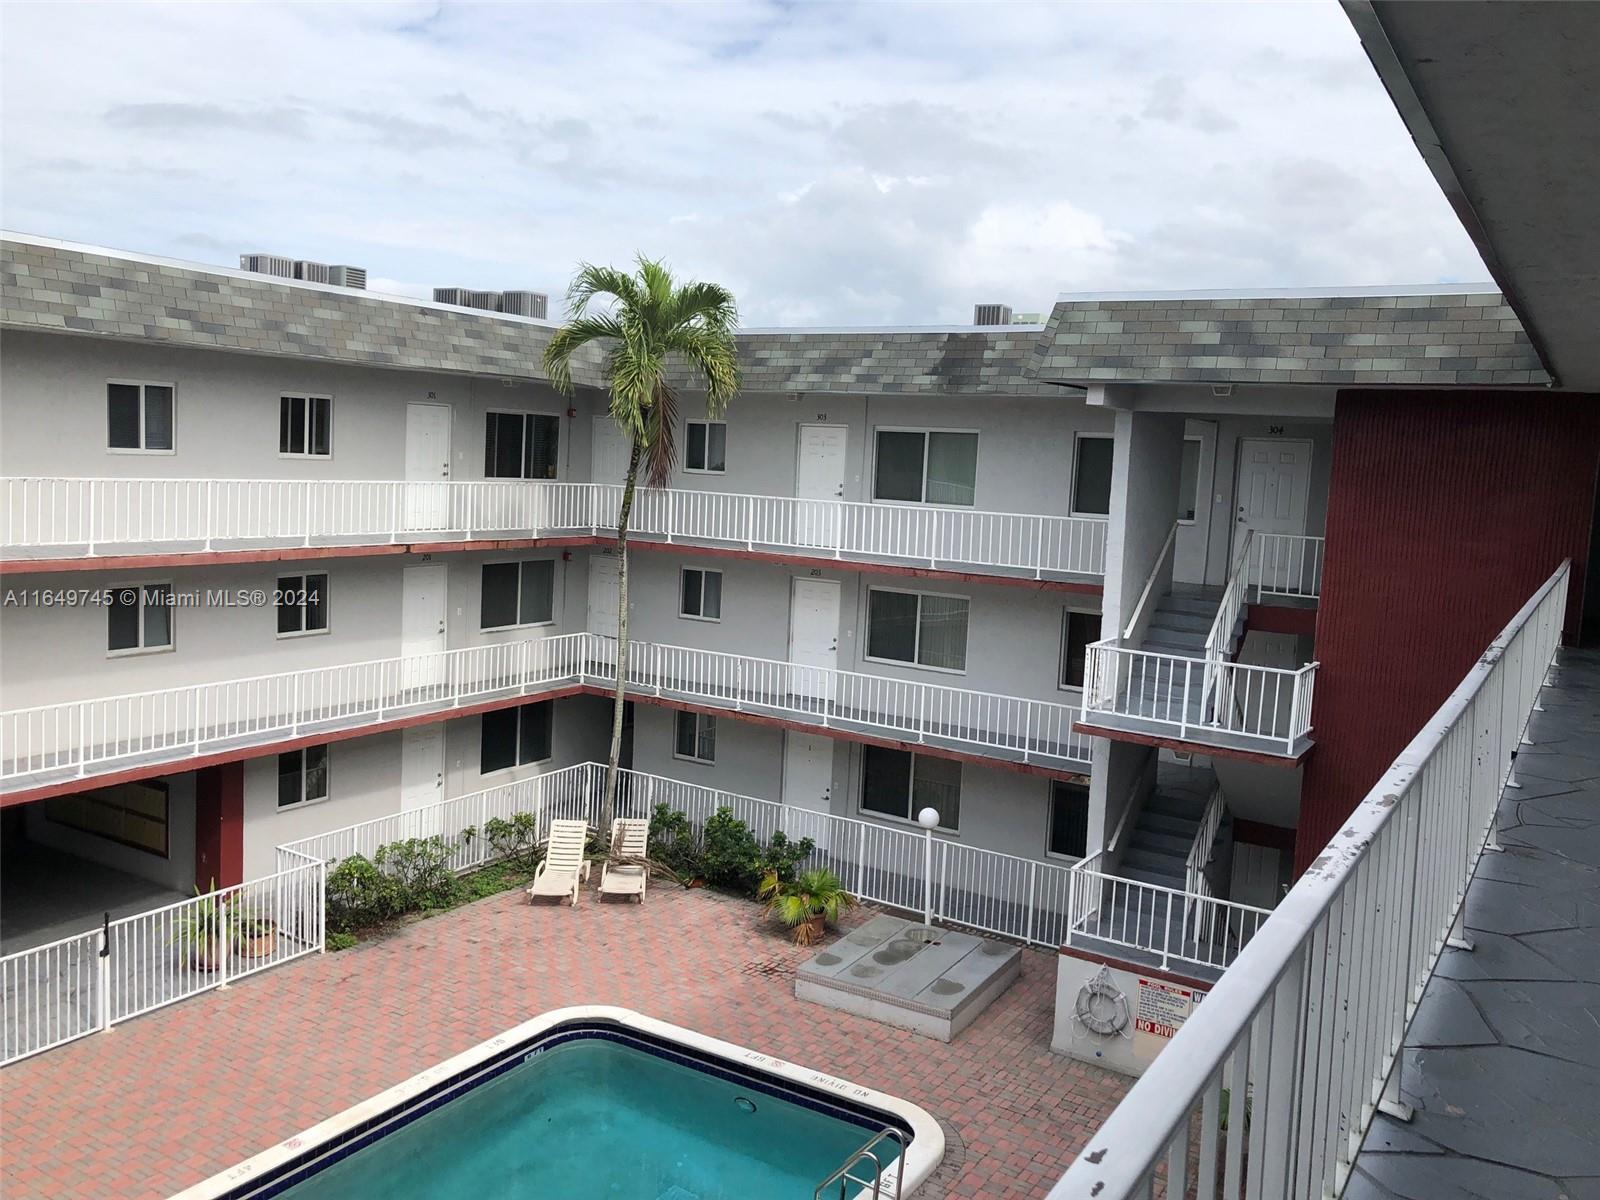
x: 596, y: 1102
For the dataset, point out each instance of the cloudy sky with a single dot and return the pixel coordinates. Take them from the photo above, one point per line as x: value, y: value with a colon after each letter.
x: 831, y: 162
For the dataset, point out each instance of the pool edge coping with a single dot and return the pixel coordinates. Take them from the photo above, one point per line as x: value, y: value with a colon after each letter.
x: 922, y: 1157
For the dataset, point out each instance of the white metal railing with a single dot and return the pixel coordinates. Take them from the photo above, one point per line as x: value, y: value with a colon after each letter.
x: 90, y: 981
x: 1287, y: 564
x: 71, y: 740
x: 1219, y: 641
x: 1194, y: 877
x: 80, y: 518
x: 1162, y: 556
x: 1173, y: 925
x: 1298, y: 1043
x: 1226, y: 703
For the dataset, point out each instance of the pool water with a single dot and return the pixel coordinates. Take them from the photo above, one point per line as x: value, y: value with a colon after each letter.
x: 593, y: 1117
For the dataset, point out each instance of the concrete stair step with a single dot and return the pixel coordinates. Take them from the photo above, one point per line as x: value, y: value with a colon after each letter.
x: 1172, y: 619
x: 1172, y: 866
x: 1161, y: 841
x: 1202, y: 605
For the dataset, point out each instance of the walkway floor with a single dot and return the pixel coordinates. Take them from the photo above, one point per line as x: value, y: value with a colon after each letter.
x: 46, y: 894
x: 1503, y: 1058
x: 170, y: 1098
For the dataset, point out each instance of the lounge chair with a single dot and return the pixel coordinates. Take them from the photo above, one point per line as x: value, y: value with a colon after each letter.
x: 564, y: 868
x: 630, y: 839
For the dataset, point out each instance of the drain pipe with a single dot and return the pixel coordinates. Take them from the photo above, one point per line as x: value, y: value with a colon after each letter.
x: 927, y: 818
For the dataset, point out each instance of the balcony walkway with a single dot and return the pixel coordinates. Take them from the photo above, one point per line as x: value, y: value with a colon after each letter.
x: 165, y: 1101
x: 1502, y: 1061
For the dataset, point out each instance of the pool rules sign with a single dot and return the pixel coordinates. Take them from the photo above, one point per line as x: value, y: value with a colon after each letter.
x: 1159, y: 1011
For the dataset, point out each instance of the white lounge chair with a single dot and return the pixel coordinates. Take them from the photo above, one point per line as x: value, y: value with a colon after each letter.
x: 630, y: 838
x: 564, y: 868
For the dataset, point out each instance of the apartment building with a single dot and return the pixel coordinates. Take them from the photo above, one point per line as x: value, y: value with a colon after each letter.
x: 282, y: 556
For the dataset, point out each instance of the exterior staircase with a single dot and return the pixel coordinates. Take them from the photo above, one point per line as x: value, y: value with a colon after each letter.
x: 1179, y: 627
x: 1158, y: 846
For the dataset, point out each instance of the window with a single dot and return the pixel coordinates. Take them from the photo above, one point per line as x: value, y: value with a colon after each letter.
x: 302, y: 776
x: 1078, y: 629
x: 515, y: 737
x: 700, y: 595
x: 1189, y: 481
x: 695, y: 737
x: 708, y: 447
x: 516, y: 594
x: 521, y: 446
x: 302, y: 604
x: 926, y: 467
x: 139, y: 618
x: 899, y: 784
x: 915, y: 627
x: 1069, y: 819
x: 1091, y: 476
x: 305, y: 425
x: 139, y: 416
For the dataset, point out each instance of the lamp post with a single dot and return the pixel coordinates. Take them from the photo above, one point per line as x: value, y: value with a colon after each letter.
x: 927, y: 818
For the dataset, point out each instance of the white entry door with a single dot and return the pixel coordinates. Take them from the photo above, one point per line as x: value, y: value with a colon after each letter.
x: 608, y: 452
x: 808, y: 783
x: 1274, y: 484
x: 603, y: 605
x: 819, y: 482
x: 427, y: 505
x: 423, y: 603
x: 813, y: 638
x: 422, y: 777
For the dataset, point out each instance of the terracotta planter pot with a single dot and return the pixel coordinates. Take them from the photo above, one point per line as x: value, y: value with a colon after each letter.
x: 811, y: 931
x: 206, y: 955
x: 258, y: 945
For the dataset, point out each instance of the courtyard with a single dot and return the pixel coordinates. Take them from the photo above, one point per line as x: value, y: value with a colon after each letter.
x: 168, y: 1099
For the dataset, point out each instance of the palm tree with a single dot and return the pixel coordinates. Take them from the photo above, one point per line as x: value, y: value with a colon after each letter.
x: 649, y: 321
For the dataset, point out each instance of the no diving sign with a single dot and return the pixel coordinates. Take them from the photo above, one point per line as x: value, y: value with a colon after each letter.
x: 1161, y: 1009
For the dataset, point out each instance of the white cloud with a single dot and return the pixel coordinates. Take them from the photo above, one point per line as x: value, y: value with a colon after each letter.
x: 839, y: 162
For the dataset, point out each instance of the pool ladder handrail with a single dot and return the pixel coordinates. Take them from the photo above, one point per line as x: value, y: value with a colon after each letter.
x: 844, y: 1178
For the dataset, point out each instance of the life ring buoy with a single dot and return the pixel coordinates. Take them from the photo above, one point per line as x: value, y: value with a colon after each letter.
x: 1101, y: 1006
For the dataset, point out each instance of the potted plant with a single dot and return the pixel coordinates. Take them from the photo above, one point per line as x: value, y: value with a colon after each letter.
x: 809, y: 904
x: 252, y: 935
x: 198, y: 929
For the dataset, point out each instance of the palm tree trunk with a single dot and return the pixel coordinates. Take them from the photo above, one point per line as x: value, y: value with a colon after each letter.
x: 608, y: 803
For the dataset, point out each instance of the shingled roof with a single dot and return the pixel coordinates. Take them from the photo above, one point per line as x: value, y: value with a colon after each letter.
x: 1459, y: 338
x: 1466, y: 337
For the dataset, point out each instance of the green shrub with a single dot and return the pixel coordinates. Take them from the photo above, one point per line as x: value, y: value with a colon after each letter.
x: 735, y: 858
x: 673, y: 846
x: 515, y: 838
x: 337, y: 940
x: 782, y: 858
x: 420, y: 869
x: 359, y: 894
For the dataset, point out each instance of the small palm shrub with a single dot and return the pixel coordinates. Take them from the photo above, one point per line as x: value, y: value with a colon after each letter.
x: 812, y: 901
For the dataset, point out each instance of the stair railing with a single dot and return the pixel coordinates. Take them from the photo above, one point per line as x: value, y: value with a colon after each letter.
x: 1195, y: 883
x: 866, y: 1158
x: 1150, y: 581
x: 1219, y: 641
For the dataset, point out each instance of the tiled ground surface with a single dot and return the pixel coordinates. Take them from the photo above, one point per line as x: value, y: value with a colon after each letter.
x: 167, y: 1099
x: 1503, y: 1058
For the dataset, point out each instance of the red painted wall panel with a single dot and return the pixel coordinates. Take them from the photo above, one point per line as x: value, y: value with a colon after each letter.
x: 1445, y: 511
x: 219, y: 826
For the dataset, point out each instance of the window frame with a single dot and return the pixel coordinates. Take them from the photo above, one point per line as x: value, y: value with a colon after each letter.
x: 925, y: 430
x: 518, y: 563
x: 304, y: 586
x: 1078, y: 437
x: 707, y: 422
x: 1050, y: 820
x: 699, y: 737
x: 327, y: 777
x: 953, y: 831
x: 141, y: 384
x: 172, y: 620
x: 683, y: 573
x: 305, y: 398
x: 1061, y: 661
x: 1200, y: 444
x: 524, y: 413
x: 917, y: 645
x: 516, y: 738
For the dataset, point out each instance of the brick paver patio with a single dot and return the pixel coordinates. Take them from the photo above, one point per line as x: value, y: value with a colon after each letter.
x: 168, y: 1099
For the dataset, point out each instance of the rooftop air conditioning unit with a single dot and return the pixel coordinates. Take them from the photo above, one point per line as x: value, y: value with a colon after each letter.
x: 524, y: 304
x: 451, y: 296
x: 267, y: 264
x: 348, y: 277
x: 489, y: 300
x: 311, y: 272
x: 991, y: 314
